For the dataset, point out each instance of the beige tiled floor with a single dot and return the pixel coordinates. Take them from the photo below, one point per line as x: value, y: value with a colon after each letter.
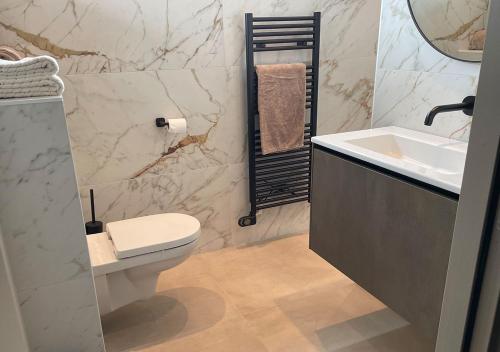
x: 276, y: 296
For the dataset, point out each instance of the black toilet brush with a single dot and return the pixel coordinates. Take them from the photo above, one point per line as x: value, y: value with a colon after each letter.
x: 93, y: 226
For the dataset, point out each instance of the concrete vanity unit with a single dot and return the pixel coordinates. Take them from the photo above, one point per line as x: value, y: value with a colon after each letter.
x: 383, y: 208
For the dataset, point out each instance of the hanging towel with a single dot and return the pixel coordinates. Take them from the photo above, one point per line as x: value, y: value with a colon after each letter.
x: 29, y: 66
x: 281, y: 103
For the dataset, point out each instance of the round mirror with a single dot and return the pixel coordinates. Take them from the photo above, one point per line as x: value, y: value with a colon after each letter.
x: 456, y: 28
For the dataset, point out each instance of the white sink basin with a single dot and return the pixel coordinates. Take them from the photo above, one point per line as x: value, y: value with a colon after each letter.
x: 431, y: 159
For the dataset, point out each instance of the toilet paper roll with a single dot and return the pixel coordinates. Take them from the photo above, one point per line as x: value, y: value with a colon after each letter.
x: 177, y: 125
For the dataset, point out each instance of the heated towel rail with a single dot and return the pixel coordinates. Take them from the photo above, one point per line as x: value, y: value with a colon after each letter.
x: 285, y: 177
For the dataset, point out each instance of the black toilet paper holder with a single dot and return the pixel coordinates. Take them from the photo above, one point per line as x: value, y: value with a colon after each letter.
x: 161, y: 122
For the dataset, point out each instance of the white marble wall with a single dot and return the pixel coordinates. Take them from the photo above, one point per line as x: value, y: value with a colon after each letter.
x: 12, y: 332
x: 451, y: 24
x: 43, y: 228
x: 126, y: 62
x: 412, y: 78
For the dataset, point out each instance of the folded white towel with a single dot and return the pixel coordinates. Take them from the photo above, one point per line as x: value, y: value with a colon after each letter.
x: 29, y: 66
x: 31, y: 87
x: 26, y: 81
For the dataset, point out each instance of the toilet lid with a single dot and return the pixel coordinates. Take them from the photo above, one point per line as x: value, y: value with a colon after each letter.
x: 152, y: 233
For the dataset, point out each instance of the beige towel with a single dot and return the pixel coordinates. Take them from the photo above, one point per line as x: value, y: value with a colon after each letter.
x: 477, y: 40
x: 282, y: 101
x: 8, y: 53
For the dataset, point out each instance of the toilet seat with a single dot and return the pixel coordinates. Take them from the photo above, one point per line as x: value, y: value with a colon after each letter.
x: 128, y: 259
x: 154, y: 233
x: 104, y: 261
x: 102, y: 249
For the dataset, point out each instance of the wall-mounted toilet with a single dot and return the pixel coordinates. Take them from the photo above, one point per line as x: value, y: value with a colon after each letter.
x: 128, y: 258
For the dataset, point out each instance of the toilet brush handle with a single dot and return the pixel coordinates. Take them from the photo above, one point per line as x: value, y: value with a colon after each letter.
x: 92, y: 206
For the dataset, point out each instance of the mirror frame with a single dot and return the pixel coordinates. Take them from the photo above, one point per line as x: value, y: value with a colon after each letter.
x: 430, y: 43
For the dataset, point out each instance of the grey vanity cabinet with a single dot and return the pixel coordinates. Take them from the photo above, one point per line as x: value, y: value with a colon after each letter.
x: 389, y: 235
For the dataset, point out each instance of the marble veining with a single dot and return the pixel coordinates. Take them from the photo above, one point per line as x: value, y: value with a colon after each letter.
x: 43, y: 229
x: 109, y: 114
x: 202, y: 193
x: 69, y: 320
x: 348, y: 28
x: 345, y: 95
x: 41, y: 169
x: 403, y: 98
x: 412, y: 78
x: 146, y: 35
x: 124, y: 63
x: 450, y: 25
x: 401, y: 46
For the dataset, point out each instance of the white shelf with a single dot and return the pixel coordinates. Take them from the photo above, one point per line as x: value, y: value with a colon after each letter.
x: 466, y: 51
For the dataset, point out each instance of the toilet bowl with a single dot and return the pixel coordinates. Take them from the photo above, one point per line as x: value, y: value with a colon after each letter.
x: 128, y: 258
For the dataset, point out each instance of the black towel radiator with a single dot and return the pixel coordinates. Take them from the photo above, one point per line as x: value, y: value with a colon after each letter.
x: 285, y: 177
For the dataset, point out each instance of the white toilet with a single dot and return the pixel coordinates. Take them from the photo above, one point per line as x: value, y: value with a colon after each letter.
x: 128, y: 258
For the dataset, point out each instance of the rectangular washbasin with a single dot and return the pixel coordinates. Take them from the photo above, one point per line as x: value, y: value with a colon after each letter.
x: 434, y: 160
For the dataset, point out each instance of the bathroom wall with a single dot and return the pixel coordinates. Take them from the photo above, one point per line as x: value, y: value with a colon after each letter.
x: 43, y: 230
x: 126, y: 62
x: 12, y: 333
x: 412, y: 78
x: 455, y: 29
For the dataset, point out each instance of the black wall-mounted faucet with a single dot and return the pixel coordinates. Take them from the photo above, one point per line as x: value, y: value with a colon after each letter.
x: 467, y: 106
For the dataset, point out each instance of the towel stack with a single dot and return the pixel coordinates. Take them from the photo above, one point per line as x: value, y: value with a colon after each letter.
x: 30, y: 77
